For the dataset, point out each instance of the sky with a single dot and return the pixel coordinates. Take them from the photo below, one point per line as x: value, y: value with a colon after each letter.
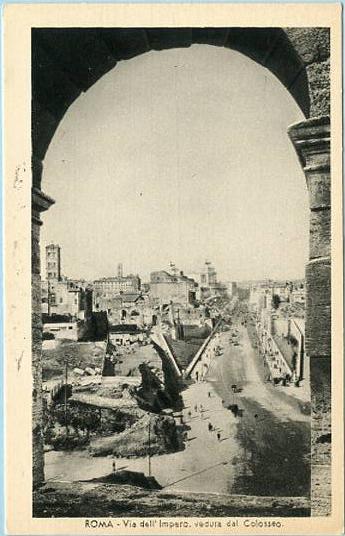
x: 180, y: 155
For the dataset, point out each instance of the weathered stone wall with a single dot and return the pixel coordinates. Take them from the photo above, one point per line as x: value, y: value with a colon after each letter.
x: 40, y: 202
x: 320, y: 374
x: 312, y: 141
x: 37, y: 424
x: 313, y: 46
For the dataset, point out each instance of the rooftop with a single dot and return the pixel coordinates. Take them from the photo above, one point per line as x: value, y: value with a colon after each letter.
x: 124, y: 328
x: 115, y: 279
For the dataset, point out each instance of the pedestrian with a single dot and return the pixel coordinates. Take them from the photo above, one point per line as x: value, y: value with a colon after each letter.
x: 209, y: 394
x: 218, y: 436
x: 210, y: 427
x: 196, y: 408
x: 114, y: 466
x: 189, y: 413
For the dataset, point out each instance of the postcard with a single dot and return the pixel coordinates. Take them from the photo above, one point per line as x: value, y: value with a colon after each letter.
x: 173, y: 269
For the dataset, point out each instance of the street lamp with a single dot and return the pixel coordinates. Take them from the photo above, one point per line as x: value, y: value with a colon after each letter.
x: 149, y: 448
x: 65, y: 393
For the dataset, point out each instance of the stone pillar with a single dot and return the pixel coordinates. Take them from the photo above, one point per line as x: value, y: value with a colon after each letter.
x: 311, y: 139
x: 40, y: 202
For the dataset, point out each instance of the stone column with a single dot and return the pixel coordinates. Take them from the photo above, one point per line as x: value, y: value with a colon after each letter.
x: 311, y: 139
x: 40, y: 202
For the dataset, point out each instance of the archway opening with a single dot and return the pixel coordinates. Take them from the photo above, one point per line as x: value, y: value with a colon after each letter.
x: 184, y: 155
x: 184, y: 137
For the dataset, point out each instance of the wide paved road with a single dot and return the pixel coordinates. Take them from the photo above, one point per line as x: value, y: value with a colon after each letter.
x: 205, y: 465
x: 263, y: 452
x: 272, y: 431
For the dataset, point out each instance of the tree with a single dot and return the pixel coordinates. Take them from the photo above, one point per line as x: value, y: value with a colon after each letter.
x: 81, y: 418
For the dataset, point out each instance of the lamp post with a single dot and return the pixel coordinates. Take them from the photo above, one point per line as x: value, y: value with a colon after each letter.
x: 65, y: 393
x: 149, y: 449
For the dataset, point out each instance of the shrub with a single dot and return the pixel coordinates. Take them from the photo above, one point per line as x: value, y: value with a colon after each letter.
x: 47, y: 336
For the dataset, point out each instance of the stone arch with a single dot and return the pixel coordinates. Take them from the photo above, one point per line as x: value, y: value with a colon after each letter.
x: 67, y: 61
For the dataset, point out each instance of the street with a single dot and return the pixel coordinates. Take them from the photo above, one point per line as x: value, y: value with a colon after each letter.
x: 273, y: 433
x: 262, y: 452
x: 204, y: 465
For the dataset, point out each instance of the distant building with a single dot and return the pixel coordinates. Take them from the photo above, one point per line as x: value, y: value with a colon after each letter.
x: 53, y: 262
x: 64, y: 297
x: 296, y: 337
x: 125, y: 334
x: 208, y: 286
x: 60, y: 295
x: 281, y: 338
x: 172, y: 287
x: 233, y: 288
x: 283, y: 290
x: 189, y: 314
x: 129, y: 307
x: 108, y: 287
x: 259, y: 298
x: 145, y: 288
x: 298, y: 294
x: 288, y: 292
x: 211, y: 274
x: 119, y: 296
x: 64, y: 327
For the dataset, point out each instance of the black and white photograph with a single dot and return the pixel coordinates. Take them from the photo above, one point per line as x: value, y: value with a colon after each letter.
x: 181, y: 275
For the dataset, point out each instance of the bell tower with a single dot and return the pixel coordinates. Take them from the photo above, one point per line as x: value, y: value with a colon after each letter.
x: 53, y: 262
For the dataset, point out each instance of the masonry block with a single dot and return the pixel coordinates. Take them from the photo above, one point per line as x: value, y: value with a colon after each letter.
x: 320, y: 374
x: 319, y: 187
x: 320, y: 234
